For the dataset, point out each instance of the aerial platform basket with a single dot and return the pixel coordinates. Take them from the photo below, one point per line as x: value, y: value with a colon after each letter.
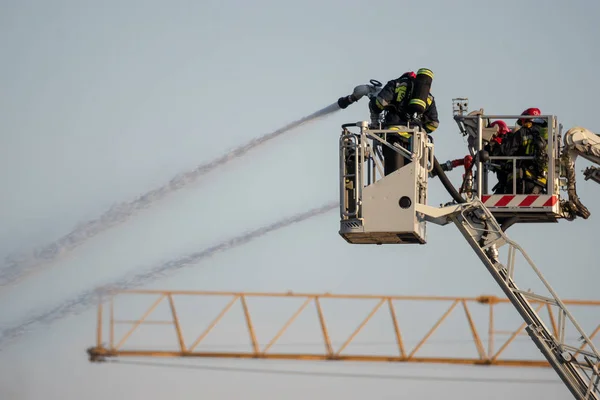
x: 514, y: 205
x: 378, y: 209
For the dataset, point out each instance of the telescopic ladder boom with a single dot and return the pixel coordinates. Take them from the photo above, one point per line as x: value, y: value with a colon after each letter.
x: 578, y: 369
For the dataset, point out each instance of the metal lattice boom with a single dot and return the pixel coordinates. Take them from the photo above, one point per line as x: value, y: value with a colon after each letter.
x: 125, y: 346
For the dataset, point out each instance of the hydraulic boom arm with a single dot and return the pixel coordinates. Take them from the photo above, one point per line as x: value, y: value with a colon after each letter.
x: 580, y: 142
x: 579, y: 370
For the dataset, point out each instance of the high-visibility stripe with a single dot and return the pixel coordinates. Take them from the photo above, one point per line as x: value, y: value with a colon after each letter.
x: 400, y: 93
x: 425, y: 71
x: 430, y: 127
x: 403, y: 134
x: 418, y: 102
x: 540, y: 179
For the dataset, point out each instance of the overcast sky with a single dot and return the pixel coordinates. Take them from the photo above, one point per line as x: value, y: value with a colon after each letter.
x: 102, y: 102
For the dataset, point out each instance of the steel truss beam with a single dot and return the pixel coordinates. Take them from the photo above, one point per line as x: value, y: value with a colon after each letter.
x: 125, y: 346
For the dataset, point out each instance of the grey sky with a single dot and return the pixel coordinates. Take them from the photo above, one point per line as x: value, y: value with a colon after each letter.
x: 102, y: 102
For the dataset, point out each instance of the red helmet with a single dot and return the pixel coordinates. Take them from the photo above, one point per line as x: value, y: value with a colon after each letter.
x: 502, y: 127
x: 502, y: 130
x: 409, y: 74
x: 529, y: 111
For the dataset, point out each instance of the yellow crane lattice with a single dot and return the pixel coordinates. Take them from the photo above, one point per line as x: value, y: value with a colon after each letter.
x: 487, y: 353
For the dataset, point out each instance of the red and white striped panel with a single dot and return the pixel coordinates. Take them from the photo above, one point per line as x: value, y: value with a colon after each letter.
x: 528, y: 201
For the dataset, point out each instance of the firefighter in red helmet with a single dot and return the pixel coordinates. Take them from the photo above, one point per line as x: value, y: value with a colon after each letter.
x: 500, y: 167
x: 529, y: 140
x: 502, y: 130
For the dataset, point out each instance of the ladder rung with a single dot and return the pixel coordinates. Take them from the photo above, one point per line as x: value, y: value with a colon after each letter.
x: 583, y: 352
x: 538, y: 297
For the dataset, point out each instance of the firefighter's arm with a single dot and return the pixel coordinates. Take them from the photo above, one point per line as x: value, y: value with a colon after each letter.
x: 378, y: 103
x: 383, y: 99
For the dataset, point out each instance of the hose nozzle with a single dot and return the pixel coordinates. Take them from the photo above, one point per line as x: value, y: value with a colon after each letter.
x: 359, y: 92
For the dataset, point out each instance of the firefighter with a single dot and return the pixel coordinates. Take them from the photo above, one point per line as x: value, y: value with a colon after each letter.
x: 500, y: 167
x: 397, y: 98
x: 530, y: 139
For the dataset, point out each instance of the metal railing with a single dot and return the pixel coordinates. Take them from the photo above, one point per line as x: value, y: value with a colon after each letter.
x: 482, y: 168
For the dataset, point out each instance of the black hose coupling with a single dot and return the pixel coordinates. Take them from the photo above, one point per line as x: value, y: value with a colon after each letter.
x: 345, y: 101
